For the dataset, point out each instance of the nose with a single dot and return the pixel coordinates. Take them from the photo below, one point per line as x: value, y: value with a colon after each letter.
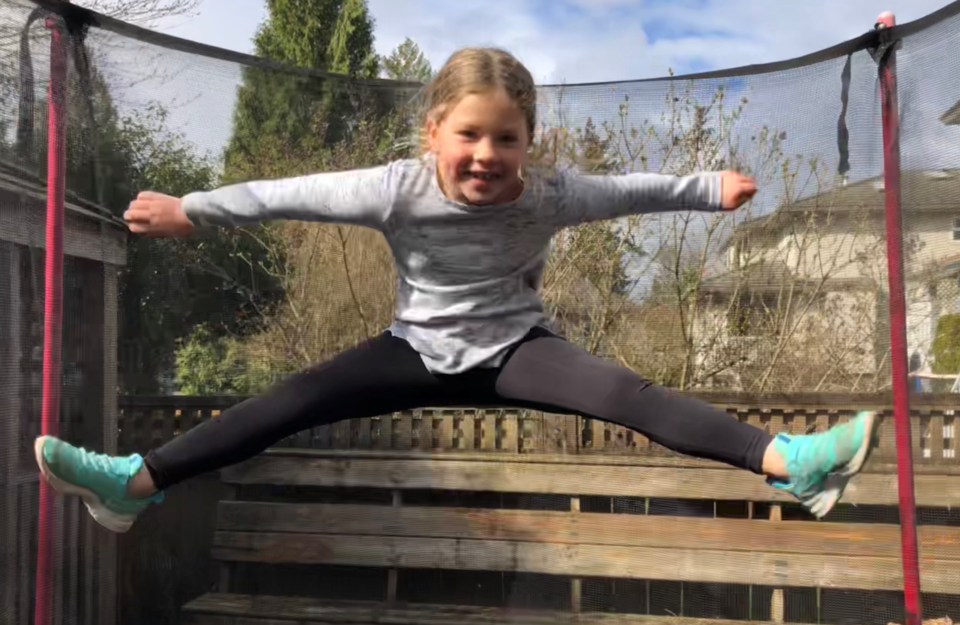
x: 485, y: 151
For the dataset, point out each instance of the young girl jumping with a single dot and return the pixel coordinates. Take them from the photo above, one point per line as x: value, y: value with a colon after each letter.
x: 470, y: 233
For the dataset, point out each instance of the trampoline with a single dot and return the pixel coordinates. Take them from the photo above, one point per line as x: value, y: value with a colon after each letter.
x: 832, y: 292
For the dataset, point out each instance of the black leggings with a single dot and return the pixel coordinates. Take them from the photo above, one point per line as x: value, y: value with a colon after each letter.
x: 385, y: 375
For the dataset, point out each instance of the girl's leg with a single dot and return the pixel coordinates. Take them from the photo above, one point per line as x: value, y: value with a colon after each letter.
x: 378, y: 377
x: 556, y: 375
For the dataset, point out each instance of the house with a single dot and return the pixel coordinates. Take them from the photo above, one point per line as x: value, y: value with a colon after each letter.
x: 806, y: 288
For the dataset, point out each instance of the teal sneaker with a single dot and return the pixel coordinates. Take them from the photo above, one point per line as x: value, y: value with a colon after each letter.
x: 820, y: 465
x: 98, y: 479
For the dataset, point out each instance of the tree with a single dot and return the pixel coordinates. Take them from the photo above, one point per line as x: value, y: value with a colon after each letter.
x: 407, y: 63
x: 337, y: 281
x: 298, y: 32
x: 946, y: 345
x: 329, y: 35
x: 142, y: 12
x: 351, y: 46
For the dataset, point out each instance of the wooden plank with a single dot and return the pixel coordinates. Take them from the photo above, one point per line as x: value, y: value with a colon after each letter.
x: 383, y: 435
x: 487, y: 422
x: 579, y: 560
x: 572, y: 528
x: 393, y: 575
x: 776, y: 599
x: 560, y: 434
x: 73, y: 563
x: 108, y: 541
x: 466, y: 430
x: 28, y: 501
x: 583, y: 459
x: 110, y: 320
x: 936, y: 427
x: 403, y: 430
x: 82, y: 237
x: 267, y: 610
x: 508, y: 431
x: 443, y: 425
x: 89, y: 570
x: 59, y: 562
x: 954, y: 437
x: 569, y: 478
x: 576, y: 584
x: 364, y: 433
x: 11, y: 379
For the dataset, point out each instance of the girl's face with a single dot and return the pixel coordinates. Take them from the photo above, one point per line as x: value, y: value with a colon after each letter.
x: 479, y: 147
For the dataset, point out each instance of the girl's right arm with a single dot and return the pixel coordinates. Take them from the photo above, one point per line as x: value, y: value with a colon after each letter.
x: 356, y: 197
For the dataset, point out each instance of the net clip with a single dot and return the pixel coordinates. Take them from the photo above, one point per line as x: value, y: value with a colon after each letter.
x: 885, y: 40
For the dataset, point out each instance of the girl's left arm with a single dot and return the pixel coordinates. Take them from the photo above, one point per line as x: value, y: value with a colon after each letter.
x: 583, y: 198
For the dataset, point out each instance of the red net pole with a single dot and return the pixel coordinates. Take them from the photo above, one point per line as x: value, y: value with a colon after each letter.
x: 898, y: 332
x: 53, y: 308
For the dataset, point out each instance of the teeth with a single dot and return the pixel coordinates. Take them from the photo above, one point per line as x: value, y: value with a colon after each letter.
x: 483, y: 176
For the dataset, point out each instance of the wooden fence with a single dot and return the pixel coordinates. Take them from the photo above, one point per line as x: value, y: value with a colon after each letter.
x: 147, y: 422
x: 510, y: 435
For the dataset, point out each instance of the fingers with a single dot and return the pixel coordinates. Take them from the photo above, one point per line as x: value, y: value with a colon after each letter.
x: 737, y: 189
x: 137, y: 212
x: 151, y: 195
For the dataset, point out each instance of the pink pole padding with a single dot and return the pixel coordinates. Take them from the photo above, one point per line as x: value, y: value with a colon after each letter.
x: 898, y: 332
x: 53, y: 309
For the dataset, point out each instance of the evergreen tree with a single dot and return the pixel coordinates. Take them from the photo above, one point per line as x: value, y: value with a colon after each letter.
x: 298, y: 32
x: 407, y: 62
x: 351, y: 46
x: 278, y: 111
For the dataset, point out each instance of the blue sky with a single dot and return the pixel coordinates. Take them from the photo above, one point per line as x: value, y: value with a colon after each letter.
x: 590, y: 40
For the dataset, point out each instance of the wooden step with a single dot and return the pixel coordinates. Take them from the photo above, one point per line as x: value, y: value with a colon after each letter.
x: 232, y: 609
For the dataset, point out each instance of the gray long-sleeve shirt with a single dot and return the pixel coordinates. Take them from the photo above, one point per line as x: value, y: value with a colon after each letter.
x: 469, y: 277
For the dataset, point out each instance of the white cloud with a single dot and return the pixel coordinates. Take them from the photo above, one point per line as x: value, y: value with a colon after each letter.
x: 591, y: 40
x: 609, y: 39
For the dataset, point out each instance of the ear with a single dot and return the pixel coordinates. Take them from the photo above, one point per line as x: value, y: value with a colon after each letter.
x: 433, y: 131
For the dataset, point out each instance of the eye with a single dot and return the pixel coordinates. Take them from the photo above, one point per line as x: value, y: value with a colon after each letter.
x: 508, y: 138
x: 467, y: 134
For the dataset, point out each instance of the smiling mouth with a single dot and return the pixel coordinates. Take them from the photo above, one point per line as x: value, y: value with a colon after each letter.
x: 482, y: 176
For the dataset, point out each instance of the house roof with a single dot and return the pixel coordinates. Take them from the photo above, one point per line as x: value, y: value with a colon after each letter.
x: 921, y: 191
x: 952, y: 116
x: 28, y: 184
x: 770, y: 276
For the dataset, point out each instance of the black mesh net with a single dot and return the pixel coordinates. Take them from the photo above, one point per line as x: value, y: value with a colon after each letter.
x: 777, y: 314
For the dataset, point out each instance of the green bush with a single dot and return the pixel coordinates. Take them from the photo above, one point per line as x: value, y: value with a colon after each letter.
x: 211, y: 365
x: 946, y: 345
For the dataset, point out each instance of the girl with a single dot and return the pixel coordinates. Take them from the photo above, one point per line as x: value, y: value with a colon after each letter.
x: 469, y: 233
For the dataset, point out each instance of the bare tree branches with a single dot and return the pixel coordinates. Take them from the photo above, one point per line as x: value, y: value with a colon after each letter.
x: 145, y: 13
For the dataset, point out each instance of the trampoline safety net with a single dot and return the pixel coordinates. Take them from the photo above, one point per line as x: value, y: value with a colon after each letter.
x: 778, y: 314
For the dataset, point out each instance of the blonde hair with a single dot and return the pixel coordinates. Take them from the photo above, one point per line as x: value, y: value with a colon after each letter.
x: 478, y: 70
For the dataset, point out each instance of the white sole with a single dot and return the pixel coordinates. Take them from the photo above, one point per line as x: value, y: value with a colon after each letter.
x: 863, y: 454
x: 109, y: 519
x: 821, y: 504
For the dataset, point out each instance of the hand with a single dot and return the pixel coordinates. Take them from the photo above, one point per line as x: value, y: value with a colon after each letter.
x: 158, y: 215
x: 735, y: 190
